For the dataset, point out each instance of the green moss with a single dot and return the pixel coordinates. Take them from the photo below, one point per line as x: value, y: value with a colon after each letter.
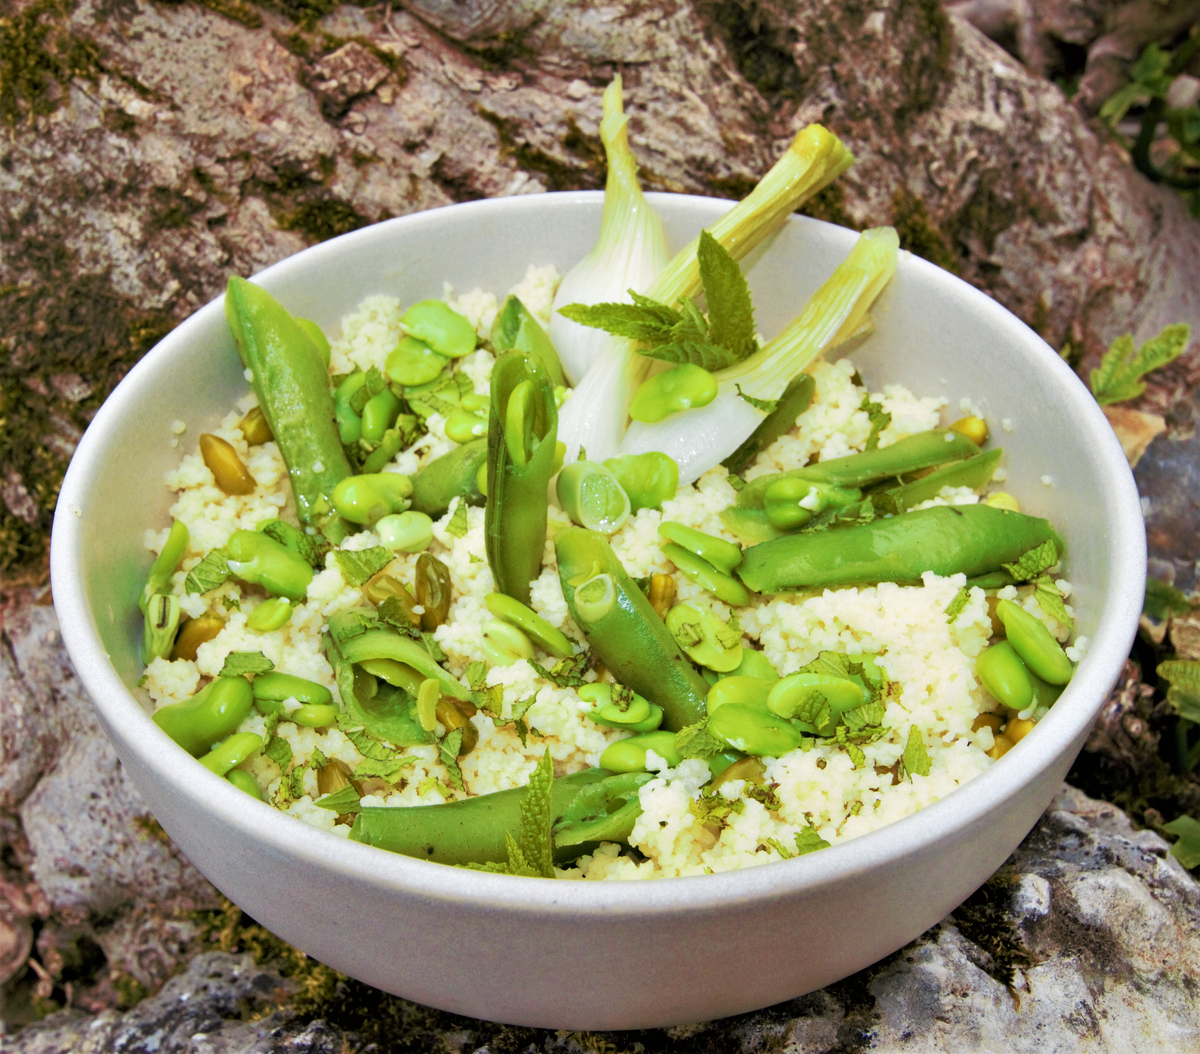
x: 830, y: 205
x: 761, y: 50
x: 557, y: 175
x: 985, y: 919
x: 320, y: 219
x: 927, y: 59
x: 919, y: 234
x: 236, y: 10
x: 39, y: 55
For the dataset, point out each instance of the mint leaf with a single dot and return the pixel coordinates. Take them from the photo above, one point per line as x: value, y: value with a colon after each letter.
x: 342, y: 801
x: 1033, y: 562
x: 916, y: 757
x: 767, y: 406
x: 767, y: 796
x: 388, y: 770
x: 808, y: 841
x: 955, y: 607
x: 534, y: 839
x: 695, y: 741
x: 730, y: 311
x: 476, y: 674
x: 568, y: 673
x: 850, y: 747
x: 279, y: 750
x: 366, y: 744
x: 1118, y: 377
x: 240, y: 663
x: 208, y: 573
x: 307, y: 545
x: 713, y: 809
x: 644, y: 320
x: 396, y: 614
x: 358, y: 567
x: 878, y: 418
x: 372, y: 386
x: 1187, y: 849
x: 622, y: 697
x: 458, y: 522
x: 711, y: 357
x: 448, y: 751
x: 1050, y: 600
x: 346, y: 625
x: 433, y: 647
x: 230, y: 604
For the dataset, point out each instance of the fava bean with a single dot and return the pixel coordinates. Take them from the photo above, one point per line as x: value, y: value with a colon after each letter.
x: 1004, y: 675
x: 270, y: 615
x: 544, y: 635
x: 755, y: 664
x: 793, y: 695
x: 753, y: 730
x: 723, y: 555
x: 678, y: 388
x: 592, y: 497
x: 719, y: 764
x: 444, y: 330
x: 463, y: 426
x: 256, y: 558
x: 453, y: 475
x: 378, y: 415
x: 225, y: 465
x: 233, y: 751
x: 629, y: 755
x: 706, y: 576
x: 398, y: 674
x: 279, y: 686
x: 413, y: 362
x: 791, y: 502
x: 504, y: 644
x: 1003, y: 500
x: 207, y: 717
x: 348, y: 422
x: 705, y: 638
x: 242, y: 779
x: 662, y: 593
x: 406, y: 532
x: 649, y: 479
x: 1034, y: 643
x: 367, y: 499
x: 750, y: 691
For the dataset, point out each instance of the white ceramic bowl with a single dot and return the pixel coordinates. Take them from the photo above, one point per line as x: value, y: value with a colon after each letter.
x: 606, y: 955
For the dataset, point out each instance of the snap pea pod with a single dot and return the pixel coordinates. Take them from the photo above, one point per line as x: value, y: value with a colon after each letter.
x: 792, y: 403
x: 473, y: 830
x: 290, y: 381
x: 522, y: 438
x: 947, y: 539
x: 624, y: 630
x: 923, y: 450
x: 975, y: 472
x: 383, y: 644
x: 515, y: 329
x: 453, y: 475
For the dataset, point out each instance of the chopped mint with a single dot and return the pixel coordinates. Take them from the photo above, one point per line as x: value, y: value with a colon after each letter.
x: 878, y: 418
x: 695, y: 741
x: 767, y: 406
x: 448, y: 751
x: 955, y: 607
x: 358, y: 567
x: 240, y: 663
x: 1036, y: 561
x: 344, y: 801
x: 916, y: 757
x: 208, y: 573
x: 458, y: 522
x: 279, y: 750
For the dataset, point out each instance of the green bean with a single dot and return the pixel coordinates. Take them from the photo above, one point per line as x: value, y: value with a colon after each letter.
x: 378, y: 415
x: 1034, y: 643
x: 649, y: 479
x: 443, y: 329
x: 628, y: 637
x: 947, y: 539
x: 453, y: 475
x: 160, y: 623
x: 233, y: 751
x: 369, y: 498
x: 678, y: 388
x: 408, y: 532
x: 256, y: 558
x: 270, y: 615
x: 1001, y: 671
x: 290, y: 381
x: 750, y: 691
x: 280, y: 686
x: 544, y: 635
x: 413, y: 363
x: 723, y: 555
x: 433, y: 588
x: 207, y: 717
x: 317, y: 338
x: 795, y: 400
x: 629, y: 755
x: 504, y: 644
x: 592, y: 497
x: 516, y: 329
x: 706, y: 576
x: 476, y: 829
x: 754, y: 730
x: 705, y: 639
x: 522, y: 442
x: 923, y: 450
x: 242, y: 779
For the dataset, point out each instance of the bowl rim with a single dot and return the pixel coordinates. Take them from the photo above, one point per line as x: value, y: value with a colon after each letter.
x: 759, y: 884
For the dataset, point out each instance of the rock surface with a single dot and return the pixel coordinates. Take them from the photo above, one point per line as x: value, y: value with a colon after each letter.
x: 1086, y: 940
x: 151, y: 150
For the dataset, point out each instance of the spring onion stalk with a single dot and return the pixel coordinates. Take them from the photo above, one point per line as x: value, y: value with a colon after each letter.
x: 596, y: 415
x: 699, y: 439
x: 630, y: 253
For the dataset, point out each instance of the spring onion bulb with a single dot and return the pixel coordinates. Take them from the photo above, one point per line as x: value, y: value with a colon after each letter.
x: 597, y: 413
x: 631, y: 250
x: 699, y: 439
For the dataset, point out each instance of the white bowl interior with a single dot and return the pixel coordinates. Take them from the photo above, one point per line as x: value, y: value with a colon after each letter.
x: 850, y: 904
